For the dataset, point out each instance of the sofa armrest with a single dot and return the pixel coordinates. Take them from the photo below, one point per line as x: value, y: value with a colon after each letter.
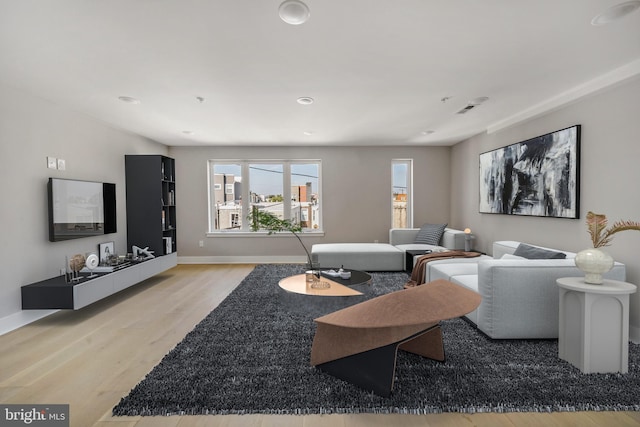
x: 402, y: 236
x: 453, y: 239
x: 520, y: 297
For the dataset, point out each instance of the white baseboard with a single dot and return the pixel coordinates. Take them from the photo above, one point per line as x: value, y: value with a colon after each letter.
x: 22, y: 318
x: 242, y: 260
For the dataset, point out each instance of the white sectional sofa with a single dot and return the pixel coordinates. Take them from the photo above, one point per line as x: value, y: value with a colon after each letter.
x: 519, y: 296
x: 381, y: 256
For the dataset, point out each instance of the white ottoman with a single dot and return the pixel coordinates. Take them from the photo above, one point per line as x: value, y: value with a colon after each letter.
x: 359, y: 256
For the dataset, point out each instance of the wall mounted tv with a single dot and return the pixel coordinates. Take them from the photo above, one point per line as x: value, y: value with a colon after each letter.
x: 80, y: 209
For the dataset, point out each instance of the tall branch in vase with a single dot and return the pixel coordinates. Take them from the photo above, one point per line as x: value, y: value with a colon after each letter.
x: 263, y: 220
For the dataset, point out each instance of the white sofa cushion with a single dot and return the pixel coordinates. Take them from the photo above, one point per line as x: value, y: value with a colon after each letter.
x: 451, y: 270
x: 421, y: 247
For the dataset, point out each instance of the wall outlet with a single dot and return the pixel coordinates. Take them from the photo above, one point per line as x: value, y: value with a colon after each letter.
x: 52, y: 163
x: 201, y: 243
x: 375, y: 241
x: 62, y: 165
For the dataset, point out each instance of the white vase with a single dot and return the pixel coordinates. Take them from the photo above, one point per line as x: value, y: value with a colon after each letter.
x: 593, y: 262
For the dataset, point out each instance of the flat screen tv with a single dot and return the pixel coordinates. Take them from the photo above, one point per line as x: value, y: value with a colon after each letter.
x: 80, y: 209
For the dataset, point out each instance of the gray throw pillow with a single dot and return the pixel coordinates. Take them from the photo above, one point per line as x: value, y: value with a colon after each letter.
x: 430, y: 234
x: 532, y: 252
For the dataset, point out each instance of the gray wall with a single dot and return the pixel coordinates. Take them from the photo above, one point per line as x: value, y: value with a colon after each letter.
x: 445, y: 186
x: 609, y: 180
x: 356, y: 197
x: 30, y: 130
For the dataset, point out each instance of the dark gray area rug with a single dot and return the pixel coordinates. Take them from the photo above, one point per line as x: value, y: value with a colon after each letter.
x: 251, y: 355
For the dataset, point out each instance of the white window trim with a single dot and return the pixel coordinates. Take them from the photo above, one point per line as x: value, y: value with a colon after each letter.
x: 409, y: 163
x: 246, y: 185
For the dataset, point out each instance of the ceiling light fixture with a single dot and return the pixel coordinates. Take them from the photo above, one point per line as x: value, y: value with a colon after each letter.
x: 308, y: 132
x: 473, y: 104
x: 129, y: 100
x: 294, y: 12
x: 616, y: 12
x: 188, y: 132
x: 305, y: 100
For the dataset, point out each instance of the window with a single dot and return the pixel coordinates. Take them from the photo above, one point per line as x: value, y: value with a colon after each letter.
x: 289, y: 189
x: 401, y: 193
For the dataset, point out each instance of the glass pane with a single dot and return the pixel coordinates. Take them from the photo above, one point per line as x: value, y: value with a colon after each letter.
x: 305, y: 194
x: 399, y: 192
x: 227, y: 196
x: 266, y: 188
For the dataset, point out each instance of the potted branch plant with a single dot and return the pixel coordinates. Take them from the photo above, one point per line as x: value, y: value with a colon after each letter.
x: 263, y: 220
x: 595, y: 261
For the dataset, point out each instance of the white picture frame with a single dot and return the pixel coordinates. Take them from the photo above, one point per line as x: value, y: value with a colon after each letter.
x: 105, y: 250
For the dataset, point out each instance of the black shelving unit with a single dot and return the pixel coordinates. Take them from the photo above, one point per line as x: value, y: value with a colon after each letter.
x: 151, y: 203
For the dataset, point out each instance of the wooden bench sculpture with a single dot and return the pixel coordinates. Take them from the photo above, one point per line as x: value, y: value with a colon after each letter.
x: 359, y: 344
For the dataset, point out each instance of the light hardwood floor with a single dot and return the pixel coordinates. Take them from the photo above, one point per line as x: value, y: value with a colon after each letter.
x: 93, y: 357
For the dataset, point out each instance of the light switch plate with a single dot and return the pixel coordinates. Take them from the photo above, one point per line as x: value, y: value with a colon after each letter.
x: 62, y: 165
x: 52, y: 163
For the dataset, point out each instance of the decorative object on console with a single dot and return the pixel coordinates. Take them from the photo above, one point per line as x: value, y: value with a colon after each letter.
x: 105, y: 250
x: 468, y: 239
x: 76, y: 263
x: 142, y: 253
x: 595, y: 261
x: 91, y: 263
x: 538, y: 177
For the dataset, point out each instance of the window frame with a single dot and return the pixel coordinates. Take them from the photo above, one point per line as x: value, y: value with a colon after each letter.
x: 246, y: 191
x: 409, y: 179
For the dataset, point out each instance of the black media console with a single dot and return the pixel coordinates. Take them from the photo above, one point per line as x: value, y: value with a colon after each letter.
x: 56, y: 293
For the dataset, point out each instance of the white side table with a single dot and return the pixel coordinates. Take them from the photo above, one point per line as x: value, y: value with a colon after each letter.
x: 594, y: 324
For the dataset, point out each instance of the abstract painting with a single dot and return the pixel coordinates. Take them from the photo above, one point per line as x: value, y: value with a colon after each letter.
x: 537, y: 177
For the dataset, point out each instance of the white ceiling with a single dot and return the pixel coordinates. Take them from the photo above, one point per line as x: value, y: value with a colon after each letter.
x: 377, y: 69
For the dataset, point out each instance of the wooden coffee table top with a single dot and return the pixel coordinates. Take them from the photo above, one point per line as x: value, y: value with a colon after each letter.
x: 337, y: 287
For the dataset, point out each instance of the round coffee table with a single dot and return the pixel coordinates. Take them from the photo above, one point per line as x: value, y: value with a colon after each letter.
x: 337, y: 286
x: 299, y: 296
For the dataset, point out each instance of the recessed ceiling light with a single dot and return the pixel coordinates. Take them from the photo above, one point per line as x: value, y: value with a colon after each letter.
x: 129, y: 100
x: 294, y: 12
x: 305, y: 100
x: 427, y: 132
x: 615, y: 12
x: 308, y: 132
